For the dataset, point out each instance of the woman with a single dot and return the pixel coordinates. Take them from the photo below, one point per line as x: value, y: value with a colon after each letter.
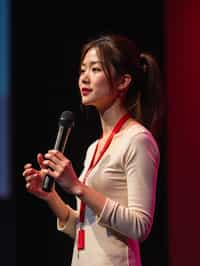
x: 116, y: 190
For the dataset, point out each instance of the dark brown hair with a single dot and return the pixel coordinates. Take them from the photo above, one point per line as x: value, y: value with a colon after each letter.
x: 143, y: 96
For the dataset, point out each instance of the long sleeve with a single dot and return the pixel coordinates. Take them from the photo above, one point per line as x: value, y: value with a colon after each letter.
x: 69, y: 227
x: 140, y: 163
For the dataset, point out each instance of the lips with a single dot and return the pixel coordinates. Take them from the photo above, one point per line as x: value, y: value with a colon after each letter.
x: 85, y: 91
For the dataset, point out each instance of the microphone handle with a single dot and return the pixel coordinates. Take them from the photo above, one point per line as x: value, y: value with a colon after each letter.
x: 47, y: 183
x: 61, y: 140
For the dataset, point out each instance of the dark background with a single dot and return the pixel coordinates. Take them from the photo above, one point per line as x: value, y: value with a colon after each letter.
x: 46, y: 44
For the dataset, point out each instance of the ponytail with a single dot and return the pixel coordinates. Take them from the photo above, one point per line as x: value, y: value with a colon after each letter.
x: 144, y: 99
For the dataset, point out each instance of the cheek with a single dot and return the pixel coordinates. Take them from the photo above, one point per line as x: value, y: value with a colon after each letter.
x: 79, y: 81
x: 101, y: 82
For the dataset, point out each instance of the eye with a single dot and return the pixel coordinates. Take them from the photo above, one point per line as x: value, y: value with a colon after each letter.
x: 81, y: 71
x: 96, y: 69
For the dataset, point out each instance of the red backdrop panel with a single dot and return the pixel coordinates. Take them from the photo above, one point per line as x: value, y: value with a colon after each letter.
x: 183, y: 90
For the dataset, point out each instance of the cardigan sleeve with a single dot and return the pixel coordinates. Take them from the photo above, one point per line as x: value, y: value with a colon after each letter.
x: 140, y: 163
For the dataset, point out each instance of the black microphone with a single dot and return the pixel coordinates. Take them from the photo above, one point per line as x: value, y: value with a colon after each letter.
x: 66, y: 122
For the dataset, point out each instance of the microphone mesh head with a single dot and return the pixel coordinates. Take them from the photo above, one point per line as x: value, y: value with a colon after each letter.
x: 66, y: 119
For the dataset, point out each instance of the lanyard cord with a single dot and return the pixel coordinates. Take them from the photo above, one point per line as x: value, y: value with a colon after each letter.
x: 119, y: 124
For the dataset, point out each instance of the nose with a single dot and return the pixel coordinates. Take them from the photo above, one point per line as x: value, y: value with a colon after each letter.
x: 84, y: 77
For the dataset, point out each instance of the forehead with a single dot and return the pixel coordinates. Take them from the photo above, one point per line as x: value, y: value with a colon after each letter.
x: 90, y: 56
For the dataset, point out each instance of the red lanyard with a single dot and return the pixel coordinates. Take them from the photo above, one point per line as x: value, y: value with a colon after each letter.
x: 119, y: 124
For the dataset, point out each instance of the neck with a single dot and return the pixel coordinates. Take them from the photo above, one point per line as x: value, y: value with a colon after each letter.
x: 110, y: 117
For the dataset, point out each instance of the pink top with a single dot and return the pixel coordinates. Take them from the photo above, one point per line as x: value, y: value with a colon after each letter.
x: 127, y: 176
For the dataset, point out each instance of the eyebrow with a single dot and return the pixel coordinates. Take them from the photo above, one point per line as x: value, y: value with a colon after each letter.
x: 92, y: 63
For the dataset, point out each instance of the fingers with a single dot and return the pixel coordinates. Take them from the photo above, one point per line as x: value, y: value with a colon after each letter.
x: 32, y: 177
x: 53, y: 163
x: 55, y: 159
x: 28, y: 165
x: 56, y: 163
x: 40, y: 160
x: 29, y: 171
x: 57, y: 154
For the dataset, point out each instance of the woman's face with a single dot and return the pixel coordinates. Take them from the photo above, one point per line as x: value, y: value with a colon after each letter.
x: 94, y: 87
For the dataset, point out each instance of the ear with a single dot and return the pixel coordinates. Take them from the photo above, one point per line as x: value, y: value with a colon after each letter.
x: 124, y: 83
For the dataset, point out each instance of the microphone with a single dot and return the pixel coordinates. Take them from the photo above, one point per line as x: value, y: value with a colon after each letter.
x: 66, y: 122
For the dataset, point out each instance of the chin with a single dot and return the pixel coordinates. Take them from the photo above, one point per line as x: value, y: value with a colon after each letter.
x: 86, y: 102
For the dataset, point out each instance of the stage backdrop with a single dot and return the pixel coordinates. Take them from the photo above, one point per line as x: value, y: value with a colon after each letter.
x: 183, y: 78
x: 5, y: 180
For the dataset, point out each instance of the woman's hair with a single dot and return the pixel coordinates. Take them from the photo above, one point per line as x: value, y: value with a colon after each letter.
x: 143, y: 96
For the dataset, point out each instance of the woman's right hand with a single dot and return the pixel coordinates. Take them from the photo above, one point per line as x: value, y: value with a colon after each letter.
x: 34, y: 179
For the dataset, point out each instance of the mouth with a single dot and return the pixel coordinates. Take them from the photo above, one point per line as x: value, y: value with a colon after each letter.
x: 85, y: 91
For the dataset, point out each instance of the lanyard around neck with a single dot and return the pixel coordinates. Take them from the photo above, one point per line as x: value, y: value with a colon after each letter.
x: 117, y: 127
x: 115, y: 130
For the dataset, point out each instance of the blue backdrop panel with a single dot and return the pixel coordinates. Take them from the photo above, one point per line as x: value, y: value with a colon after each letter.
x: 5, y: 180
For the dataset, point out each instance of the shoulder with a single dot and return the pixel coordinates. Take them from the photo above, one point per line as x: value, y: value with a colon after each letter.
x: 141, y: 135
x: 138, y: 139
x: 137, y: 133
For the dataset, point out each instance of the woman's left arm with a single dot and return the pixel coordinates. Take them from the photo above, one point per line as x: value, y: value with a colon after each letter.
x: 141, y: 165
